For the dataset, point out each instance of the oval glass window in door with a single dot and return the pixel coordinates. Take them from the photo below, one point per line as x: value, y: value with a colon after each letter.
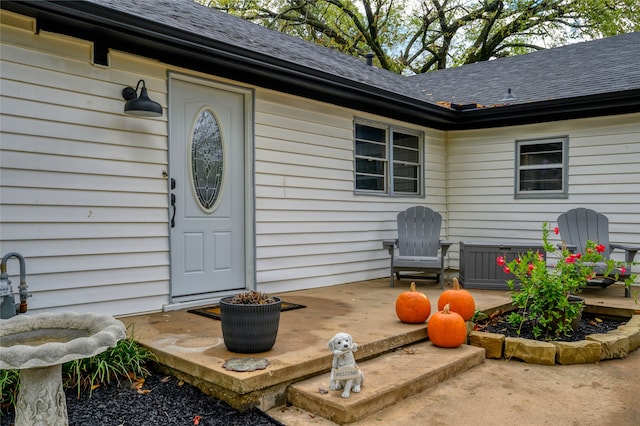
x: 207, y: 159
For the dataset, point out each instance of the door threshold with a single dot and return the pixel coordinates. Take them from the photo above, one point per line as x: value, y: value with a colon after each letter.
x: 187, y: 302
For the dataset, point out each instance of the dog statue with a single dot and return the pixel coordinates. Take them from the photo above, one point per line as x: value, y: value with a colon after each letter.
x: 345, y: 374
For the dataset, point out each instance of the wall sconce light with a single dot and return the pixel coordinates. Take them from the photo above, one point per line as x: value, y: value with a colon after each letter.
x: 140, y: 106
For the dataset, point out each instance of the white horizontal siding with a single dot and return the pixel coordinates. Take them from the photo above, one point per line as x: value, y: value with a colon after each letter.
x: 311, y: 228
x: 79, y: 247
x: 82, y: 192
x: 84, y: 198
x: 604, y: 175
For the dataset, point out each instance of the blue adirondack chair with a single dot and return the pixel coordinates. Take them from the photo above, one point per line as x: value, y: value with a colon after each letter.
x: 418, y: 244
x: 579, y: 225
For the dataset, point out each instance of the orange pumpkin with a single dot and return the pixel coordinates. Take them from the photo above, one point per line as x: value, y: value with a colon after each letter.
x: 412, y: 306
x: 459, y: 300
x: 447, y: 329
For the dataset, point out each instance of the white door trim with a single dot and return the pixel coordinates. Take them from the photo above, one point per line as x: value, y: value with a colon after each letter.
x: 249, y: 189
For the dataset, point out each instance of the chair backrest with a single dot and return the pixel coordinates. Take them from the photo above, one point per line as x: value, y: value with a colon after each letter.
x: 419, y: 232
x: 577, y: 226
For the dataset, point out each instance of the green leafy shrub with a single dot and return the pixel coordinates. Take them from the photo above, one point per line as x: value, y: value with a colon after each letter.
x: 9, y: 382
x: 543, y: 294
x: 126, y: 360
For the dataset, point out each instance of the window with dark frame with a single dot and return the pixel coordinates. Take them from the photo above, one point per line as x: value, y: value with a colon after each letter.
x: 541, y: 168
x: 388, y: 160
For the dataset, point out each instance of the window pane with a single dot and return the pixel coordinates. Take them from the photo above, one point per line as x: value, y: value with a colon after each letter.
x: 405, y: 185
x: 541, y: 180
x: 372, y: 183
x: 207, y: 159
x: 540, y: 154
x: 541, y: 168
x: 371, y: 155
x: 370, y: 133
x: 369, y: 166
x: 406, y: 171
x: 406, y: 162
x: 369, y: 149
x: 408, y: 155
x: 408, y: 141
x: 373, y: 146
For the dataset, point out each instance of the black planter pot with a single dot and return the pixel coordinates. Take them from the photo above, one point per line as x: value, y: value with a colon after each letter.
x: 250, y: 328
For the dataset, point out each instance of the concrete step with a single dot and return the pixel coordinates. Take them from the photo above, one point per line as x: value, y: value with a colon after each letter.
x: 388, y: 378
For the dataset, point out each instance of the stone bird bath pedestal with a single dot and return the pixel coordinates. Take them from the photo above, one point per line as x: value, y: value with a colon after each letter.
x: 38, y: 345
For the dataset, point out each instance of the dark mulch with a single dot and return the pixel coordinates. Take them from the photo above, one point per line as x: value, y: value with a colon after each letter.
x: 169, y: 403
x: 589, y: 324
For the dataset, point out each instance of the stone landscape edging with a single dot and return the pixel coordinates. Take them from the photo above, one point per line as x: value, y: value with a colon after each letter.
x: 596, y: 347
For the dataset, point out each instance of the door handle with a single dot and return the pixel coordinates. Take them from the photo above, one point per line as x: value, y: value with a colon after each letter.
x: 173, y: 205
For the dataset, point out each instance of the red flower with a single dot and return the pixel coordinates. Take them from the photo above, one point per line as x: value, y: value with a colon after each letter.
x: 600, y: 248
x: 578, y: 255
x: 506, y: 269
x: 571, y: 259
x: 556, y: 230
x: 531, y: 267
x: 623, y: 270
x: 500, y: 260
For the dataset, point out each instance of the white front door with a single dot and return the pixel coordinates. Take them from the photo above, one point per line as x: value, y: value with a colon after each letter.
x: 208, y: 178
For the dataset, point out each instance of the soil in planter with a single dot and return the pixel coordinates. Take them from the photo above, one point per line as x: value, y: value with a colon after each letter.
x: 589, y: 324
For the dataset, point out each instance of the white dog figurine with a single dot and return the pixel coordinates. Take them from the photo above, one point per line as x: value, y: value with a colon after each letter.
x: 344, y: 371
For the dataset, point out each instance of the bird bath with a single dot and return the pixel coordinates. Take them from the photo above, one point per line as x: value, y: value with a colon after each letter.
x: 38, y: 345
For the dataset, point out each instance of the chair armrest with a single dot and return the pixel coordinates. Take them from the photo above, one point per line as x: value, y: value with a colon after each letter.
x: 571, y: 247
x: 444, y: 246
x: 390, y: 245
x: 630, y: 251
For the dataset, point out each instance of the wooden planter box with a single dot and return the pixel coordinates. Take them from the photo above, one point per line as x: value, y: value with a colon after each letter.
x: 478, y: 266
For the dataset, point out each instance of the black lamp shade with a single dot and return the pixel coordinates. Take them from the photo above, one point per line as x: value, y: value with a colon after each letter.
x: 140, y: 106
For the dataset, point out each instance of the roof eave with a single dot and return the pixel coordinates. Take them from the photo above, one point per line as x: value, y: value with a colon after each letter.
x: 109, y: 29
x: 613, y: 103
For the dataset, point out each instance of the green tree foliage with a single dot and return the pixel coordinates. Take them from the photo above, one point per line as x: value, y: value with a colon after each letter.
x: 417, y: 36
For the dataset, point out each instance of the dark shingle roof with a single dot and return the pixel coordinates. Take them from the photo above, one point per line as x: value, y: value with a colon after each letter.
x: 287, y: 51
x: 593, y: 67
x: 587, y: 68
x: 600, y: 77
x: 598, y: 66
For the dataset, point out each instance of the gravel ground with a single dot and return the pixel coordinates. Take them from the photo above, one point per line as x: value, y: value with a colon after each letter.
x: 169, y: 402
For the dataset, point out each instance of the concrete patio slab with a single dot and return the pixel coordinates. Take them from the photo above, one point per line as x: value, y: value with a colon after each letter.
x: 389, y: 378
x: 501, y: 392
x: 191, y: 347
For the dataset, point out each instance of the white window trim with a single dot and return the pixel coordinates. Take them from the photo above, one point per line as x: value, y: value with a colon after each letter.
x: 562, y: 193
x: 388, y: 166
